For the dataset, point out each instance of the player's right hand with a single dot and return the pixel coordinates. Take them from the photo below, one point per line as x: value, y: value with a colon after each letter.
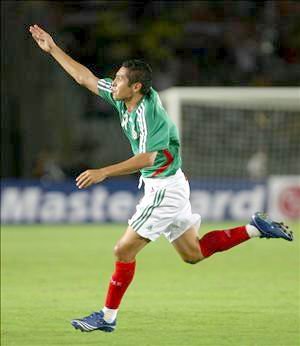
x: 42, y: 38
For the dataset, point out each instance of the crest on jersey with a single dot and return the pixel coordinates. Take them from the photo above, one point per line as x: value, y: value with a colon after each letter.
x: 125, y: 121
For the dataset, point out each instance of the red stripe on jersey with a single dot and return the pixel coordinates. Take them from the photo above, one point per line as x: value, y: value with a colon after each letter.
x: 169, y: 159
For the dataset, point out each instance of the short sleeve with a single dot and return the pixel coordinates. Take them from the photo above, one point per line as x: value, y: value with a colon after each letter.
x: 153, y: 130
x: 104, y: 89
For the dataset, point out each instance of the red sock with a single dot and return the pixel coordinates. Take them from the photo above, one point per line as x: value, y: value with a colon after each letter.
x: 217, y: 241
x: 119, y: 282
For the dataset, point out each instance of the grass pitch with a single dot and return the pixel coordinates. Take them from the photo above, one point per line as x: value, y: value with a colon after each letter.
x: 248, y: 295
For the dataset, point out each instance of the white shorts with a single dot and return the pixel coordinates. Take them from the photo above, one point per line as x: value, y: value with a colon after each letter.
x: 165, y: 208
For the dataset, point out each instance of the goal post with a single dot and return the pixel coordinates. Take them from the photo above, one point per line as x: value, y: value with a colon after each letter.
x: 237, y: 132
x: 235, y: 97
x: 240, y: 149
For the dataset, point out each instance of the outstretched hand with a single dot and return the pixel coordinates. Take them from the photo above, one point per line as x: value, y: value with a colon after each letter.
x: 42, y: 38
x: 89, y: 177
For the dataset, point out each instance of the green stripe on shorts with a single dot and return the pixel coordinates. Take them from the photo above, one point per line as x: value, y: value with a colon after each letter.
x: 145, y: 210
x: 156, y: 204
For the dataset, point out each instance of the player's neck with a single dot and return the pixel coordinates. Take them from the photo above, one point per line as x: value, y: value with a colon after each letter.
x: 133, y: 102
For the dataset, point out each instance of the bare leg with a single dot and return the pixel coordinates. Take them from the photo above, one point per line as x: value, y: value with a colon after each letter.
x: 187, y: 245
x: 192, y: 249
x: 125, y: 251
x: 129, y: 245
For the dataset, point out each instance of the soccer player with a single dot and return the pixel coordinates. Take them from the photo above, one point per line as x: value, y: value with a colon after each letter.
x: 165, y: 208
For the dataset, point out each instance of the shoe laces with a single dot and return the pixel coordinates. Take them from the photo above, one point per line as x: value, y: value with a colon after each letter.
x: 94, y: 315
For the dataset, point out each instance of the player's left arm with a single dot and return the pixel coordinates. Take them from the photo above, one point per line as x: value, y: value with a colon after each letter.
x: 135, y: 163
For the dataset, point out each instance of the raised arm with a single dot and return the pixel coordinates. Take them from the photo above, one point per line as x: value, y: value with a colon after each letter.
x: 80, y: 73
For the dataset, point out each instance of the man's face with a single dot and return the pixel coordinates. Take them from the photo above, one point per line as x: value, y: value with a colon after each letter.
x: 120, y: 88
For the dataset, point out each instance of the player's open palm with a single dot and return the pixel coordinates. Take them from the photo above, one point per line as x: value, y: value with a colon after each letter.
x: 42, y: 38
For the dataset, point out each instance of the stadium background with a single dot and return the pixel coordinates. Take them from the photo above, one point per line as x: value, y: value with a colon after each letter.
x: 51, y: 130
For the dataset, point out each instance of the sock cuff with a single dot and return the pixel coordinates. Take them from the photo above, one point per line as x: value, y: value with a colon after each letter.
x: 252, y: 231
x: 125, y: 266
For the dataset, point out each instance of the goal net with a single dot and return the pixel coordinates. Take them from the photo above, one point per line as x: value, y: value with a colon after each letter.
x: 240, y: 149
x: 237, y: 132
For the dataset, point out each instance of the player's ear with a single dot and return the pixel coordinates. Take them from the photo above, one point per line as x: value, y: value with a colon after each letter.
x: 137, y: 86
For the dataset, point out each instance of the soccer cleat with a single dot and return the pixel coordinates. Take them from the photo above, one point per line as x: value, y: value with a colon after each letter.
x: 269, y: 228
x: 95, y: 321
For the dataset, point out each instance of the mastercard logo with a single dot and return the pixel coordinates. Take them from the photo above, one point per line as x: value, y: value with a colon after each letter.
x: 289, y: 202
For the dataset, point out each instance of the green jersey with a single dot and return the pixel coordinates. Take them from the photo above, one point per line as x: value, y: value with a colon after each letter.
x: 148, y: 128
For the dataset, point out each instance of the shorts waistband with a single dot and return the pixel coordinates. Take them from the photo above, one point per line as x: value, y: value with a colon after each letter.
x: 161, y: 181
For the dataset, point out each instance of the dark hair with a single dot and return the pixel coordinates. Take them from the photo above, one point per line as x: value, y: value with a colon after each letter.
x: 139, y: 71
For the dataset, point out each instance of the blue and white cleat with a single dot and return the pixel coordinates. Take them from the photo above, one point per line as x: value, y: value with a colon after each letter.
x: 95, y: 321
x: 269, y: 228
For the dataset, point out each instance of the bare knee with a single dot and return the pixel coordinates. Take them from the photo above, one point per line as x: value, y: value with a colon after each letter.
x: 122, y: 254
x: 192, y: 259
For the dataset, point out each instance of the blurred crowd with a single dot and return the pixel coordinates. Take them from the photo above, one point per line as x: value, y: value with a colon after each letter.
x: 191, y: 43
x: 187, y: 43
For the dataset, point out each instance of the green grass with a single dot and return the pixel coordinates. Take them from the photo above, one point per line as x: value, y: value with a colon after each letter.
x: 51, y: 274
